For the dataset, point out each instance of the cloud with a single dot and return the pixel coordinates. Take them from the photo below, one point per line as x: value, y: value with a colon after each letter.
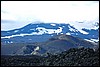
x: 49, y: 11
x: 7, y: 16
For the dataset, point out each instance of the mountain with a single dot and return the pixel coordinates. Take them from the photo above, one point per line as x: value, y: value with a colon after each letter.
x: 54, y: 45
x: 41, y: 32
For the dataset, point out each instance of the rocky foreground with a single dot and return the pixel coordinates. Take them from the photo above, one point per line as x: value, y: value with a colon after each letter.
x: 72, y: 57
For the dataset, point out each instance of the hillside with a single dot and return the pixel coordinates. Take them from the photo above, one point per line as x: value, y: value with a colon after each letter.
x: 72, y: 57
x: 54, y: 45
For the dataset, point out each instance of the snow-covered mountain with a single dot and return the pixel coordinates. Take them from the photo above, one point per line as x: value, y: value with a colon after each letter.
x: 41, y: 32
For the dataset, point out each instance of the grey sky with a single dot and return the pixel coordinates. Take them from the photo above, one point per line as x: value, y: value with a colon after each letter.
x: 25, y: 12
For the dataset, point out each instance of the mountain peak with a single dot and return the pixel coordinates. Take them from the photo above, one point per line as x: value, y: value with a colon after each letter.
x: 44, y: 31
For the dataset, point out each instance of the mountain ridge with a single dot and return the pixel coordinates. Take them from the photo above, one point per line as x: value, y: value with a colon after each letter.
x: 54, y: 45
x: 45, y: 30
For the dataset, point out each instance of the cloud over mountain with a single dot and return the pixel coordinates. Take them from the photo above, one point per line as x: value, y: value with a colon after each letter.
x: 48, y: 11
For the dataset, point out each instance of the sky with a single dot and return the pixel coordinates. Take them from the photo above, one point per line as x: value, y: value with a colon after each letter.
x: 16, y: 14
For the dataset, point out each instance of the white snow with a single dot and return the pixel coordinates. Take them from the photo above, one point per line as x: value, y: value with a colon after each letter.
x: 11, y: 42
x: 8, y: 42
x: 63, y: 26
x: 16, y: 30
x: 71, y: 29
x: 34, y: 52
x: 42, y: 30
x: 14, y: 35
x: 61, y: 33
x: 68, y: 33
x: 31, y: 29
x: 76, y: 34
x: 51, y: 35
x: 86, y: 25
x: 53, y: 24
x: 83, y: 32
x: 79, y: 29
x: 50, y: 31
x: 6, y: 37
x: 37, y: 48
x: 92, y: 40
x: 72, y: 33
x: 95, y: 40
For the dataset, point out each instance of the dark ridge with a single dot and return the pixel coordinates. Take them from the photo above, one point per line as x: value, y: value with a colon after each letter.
x: 72, y: 57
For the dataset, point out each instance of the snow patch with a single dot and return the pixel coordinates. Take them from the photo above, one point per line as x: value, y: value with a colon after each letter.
x: 63, y: 26
x: 61, y: 33
x: 68, y: 33
x: 92, y: 40
x: 76, y: 34
x: 53, y: 24
x: 14, y: 36
x: 49, y: 31
x: 83, y: 32
x: 37, y: 48
x: 16, y: 30
x: 31, y: 29
x: 11, y: 42
x: 34, y: 52
x: 95, y: 40
x: 8, y: 42
x: 41, y: 30
x: 85, y: 25
x: 71, y: 29
x: 51, y: 35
